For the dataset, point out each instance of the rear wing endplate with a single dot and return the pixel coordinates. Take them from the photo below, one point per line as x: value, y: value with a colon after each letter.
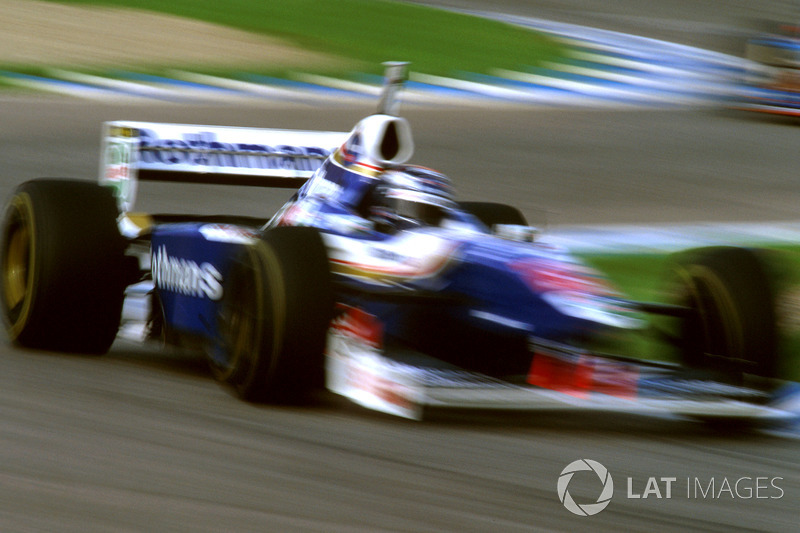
x: 222, y: 155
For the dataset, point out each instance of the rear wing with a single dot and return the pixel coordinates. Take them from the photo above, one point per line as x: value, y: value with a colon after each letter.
x: 133, y: 151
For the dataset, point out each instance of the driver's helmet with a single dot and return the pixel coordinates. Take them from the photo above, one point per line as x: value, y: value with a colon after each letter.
x: 411, y: 196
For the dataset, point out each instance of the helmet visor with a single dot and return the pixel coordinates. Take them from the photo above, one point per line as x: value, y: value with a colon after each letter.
x: 427, y: 209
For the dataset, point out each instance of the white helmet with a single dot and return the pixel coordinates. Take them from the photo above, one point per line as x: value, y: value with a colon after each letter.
x: 411, y: 196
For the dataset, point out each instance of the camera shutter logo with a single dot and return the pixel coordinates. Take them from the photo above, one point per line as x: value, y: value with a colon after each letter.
x: 603, y: 500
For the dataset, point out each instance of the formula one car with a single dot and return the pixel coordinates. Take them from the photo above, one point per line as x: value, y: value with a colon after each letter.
x: 372, y: 281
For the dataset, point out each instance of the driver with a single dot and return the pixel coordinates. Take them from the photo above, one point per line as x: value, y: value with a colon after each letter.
x: 411, y: 196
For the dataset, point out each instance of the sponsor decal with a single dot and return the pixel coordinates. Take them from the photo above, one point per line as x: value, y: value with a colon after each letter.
x: 204, y: 149
x: 352, y: 156
x: 118, y: 171
x: 351, y: 150
x: 297, y: 214
x: 118, y: 161
x: 388, y: 254
x: 123, y: 131
x: 322, y: 187
x: 580, y: 374
x: 228, y: 233
x: 356, y: 369
x: 358, y: 324
x: 184, y: 276
x: 381, y: 388
x: 412, y: 258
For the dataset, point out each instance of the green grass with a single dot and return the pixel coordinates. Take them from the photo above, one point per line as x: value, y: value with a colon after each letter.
x: 639, y: 277
x: 369, y: 32
x: 644, y: 278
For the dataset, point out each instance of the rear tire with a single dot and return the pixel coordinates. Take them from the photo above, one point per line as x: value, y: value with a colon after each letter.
x: 733, y: 326
x: 276, y: 310
x: 63, y: 266
x: 490, y: 213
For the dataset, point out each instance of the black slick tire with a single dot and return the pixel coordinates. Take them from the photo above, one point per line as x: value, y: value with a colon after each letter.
x: 274, y: 318
x: 63, y: 266
x: 732, y: 326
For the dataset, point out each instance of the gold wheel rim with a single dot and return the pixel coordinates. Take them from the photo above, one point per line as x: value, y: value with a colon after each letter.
x: 16, y: 270
x: 18, y: 264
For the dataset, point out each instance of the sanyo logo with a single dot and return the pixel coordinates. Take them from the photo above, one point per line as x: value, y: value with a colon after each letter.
x: 186, y: 277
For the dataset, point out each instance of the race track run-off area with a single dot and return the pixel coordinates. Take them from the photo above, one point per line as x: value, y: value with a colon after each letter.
x: 602, y: 68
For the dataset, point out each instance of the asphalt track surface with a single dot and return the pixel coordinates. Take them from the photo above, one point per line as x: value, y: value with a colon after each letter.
x: 141, y: 440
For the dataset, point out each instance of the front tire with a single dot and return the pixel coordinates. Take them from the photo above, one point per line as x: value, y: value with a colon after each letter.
x: 63, y: 266
x: 275, y: 315
x: 732, y: 326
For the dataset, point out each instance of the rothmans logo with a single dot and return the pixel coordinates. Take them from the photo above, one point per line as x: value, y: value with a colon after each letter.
x: 186, y: 277
x: 204, y: 149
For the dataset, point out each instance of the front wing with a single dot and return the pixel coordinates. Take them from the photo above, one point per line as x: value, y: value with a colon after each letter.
x: 407, y: 385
